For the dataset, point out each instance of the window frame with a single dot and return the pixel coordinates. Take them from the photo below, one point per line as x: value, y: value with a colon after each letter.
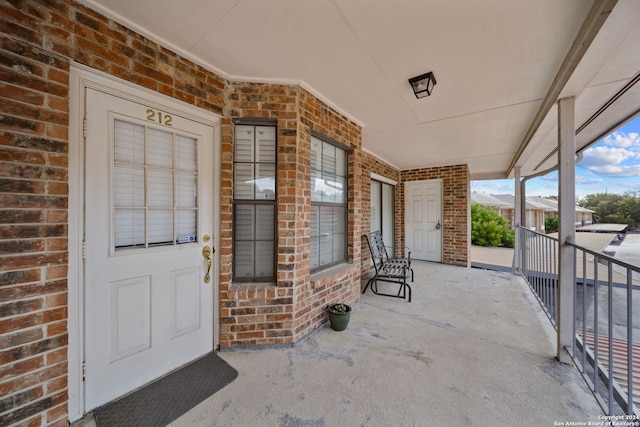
x: 376, y: 180
x: 255, y: 202
x: 345, y: 205
x: 146, y: 167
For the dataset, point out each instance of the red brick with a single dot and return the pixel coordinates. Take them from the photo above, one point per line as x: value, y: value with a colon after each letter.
x: 21, y: 367
x: 57, y: 272
x: 56, y: 300
x: 20, y: 276
x: 56, y: 356
x: 58, y: 413
x: 32, y: 349
x: 20, y: 322
x: 20, y: 337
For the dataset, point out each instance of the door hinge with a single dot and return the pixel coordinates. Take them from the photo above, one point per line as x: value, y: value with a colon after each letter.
x: 84, y: 128
x: 84, y: 250
x: 84, y: 370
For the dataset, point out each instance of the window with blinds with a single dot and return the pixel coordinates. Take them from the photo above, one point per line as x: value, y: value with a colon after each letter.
x: 155, y: 187
x: 328, y: 204
x: 254, y: 172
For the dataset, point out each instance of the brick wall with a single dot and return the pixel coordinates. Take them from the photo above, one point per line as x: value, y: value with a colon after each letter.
x: 38, y: 40
x: 288, y: 310
x: 341, y: 283
x: 456, y: 227
x: 261, y: 314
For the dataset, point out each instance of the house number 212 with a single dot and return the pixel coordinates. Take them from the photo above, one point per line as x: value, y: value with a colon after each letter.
x: 159, y: 117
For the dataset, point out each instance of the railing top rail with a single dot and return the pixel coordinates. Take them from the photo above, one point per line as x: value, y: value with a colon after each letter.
x: 605, y: 257
x: 600, y: 255
x: 536, y: 232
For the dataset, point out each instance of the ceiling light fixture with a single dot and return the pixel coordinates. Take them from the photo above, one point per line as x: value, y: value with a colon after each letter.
x: 423, y: 85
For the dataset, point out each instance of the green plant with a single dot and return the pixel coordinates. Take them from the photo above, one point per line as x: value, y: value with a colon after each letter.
x: 339, y: 308
x: 550, y: 224
x: 488, y: 228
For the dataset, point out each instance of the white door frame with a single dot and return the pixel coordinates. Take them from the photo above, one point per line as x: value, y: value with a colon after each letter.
x: 80, y: 78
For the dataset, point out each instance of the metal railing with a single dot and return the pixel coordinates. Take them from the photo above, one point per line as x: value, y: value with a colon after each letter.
x: 604, y: 349
x: 540, y: 269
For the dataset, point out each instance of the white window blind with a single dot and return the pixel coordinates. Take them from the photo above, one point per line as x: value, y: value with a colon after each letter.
x: 254, y: 172
x: 254, y: 244
x: 388, y: 204
x: 376, y: 220
x: 328, y: 203
x: 254, y: 162
x: 154, y: 187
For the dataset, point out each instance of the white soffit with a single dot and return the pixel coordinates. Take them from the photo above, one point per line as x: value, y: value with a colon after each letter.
x: 611, y: 62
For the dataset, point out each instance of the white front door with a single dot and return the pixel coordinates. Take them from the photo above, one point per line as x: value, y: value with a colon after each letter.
x: 423, y: 215
x: 148, y: 216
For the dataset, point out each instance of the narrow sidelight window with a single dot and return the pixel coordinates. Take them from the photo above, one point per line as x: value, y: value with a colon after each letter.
x: 382, y: 215
x: 328, y: 204
x: 254, y: 170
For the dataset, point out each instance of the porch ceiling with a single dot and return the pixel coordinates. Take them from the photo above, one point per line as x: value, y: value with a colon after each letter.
x: 495, y: 62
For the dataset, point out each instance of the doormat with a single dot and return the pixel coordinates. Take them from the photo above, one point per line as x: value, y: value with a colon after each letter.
x: 166, y: 399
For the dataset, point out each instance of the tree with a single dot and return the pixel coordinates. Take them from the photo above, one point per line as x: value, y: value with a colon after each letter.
x: 614, y: 208
x: 489, y: 229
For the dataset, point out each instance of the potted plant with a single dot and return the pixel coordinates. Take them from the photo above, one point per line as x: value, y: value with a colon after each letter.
x: 339, y: 316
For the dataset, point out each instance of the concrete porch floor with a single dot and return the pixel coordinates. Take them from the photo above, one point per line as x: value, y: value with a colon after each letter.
x: 473, y: 348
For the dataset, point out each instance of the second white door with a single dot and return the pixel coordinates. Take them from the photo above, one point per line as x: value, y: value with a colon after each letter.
x: 423, y: 216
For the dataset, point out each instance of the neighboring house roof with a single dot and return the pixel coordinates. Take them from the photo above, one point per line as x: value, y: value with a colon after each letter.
x: 506, y: 201
x: 489, y: 200
x: 550, y: 204
x: 581, y: 209
x: 511, y: 200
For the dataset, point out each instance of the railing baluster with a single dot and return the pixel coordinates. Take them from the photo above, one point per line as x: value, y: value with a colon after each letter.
x: 596, y: 365
x: 584, y: 310
x: 544, y: 269
x: 554, y: 262
x: 543, y: 276
x: 553, y: 280
x: 630, y: 342
x: 610, y: 320
x: 538, y: 273
x: 575, y: 307
x: 534, y: 267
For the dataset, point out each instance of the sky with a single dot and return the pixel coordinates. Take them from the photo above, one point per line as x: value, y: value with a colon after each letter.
x: 612, y: 165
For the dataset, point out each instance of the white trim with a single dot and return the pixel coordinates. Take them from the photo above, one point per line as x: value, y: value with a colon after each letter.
x: 108, y: 13
x: 75, y: 319
x: 380, y: 158
x: 80, y: 78
x: 322, y: 98
x: 383, y: 179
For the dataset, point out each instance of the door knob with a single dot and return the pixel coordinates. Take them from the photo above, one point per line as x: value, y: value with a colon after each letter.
x: 206, y: 253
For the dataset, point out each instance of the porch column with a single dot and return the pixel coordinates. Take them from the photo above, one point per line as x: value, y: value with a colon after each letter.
x: 517, y: 219
x: 566, y: 225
